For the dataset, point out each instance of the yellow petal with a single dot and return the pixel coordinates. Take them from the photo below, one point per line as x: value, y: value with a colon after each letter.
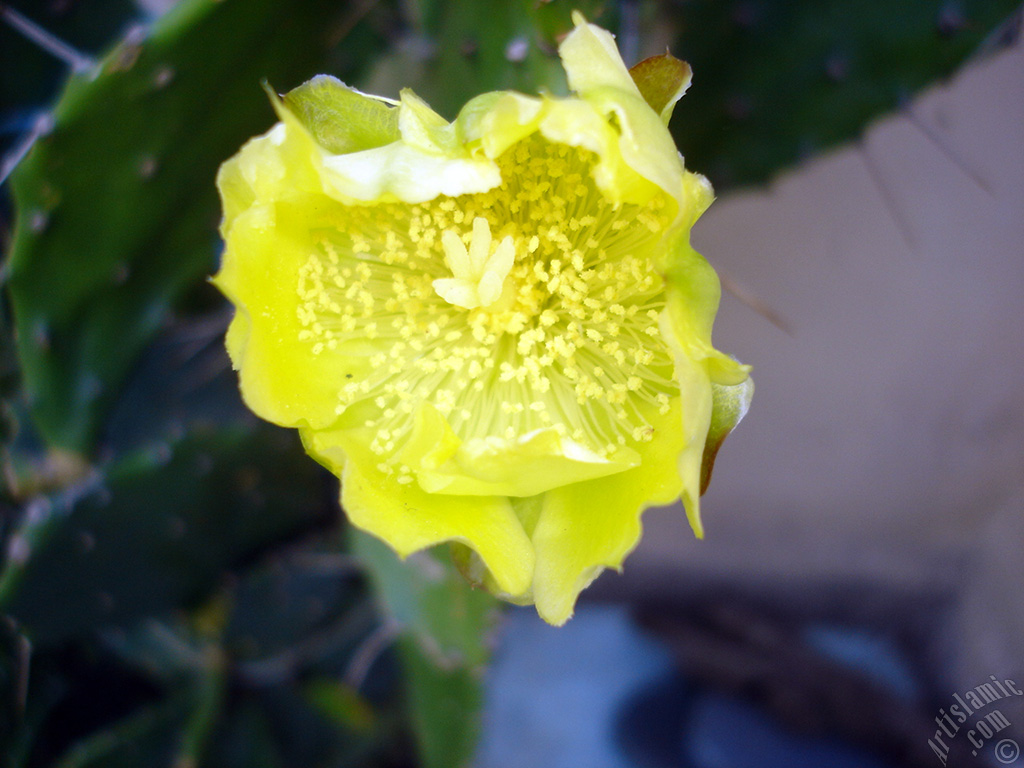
x: 592, y: 61
x: 522, y: 466
x: 587, y: 527
x: 410, y: 519
x: 281, y: 380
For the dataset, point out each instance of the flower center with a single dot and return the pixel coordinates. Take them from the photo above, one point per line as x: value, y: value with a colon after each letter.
x: 533, y: 306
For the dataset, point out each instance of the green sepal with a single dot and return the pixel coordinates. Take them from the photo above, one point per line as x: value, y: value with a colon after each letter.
x: 731, y: 404
x: 662, y: 81
x: 340, y: 118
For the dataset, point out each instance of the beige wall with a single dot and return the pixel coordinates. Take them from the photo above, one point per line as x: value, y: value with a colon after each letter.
x: 886, y: 440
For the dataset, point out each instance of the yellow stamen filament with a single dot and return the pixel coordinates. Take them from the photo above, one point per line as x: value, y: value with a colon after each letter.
x: 555, y: 327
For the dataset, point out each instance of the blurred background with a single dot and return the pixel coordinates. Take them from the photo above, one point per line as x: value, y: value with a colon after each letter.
x: 178, y: 586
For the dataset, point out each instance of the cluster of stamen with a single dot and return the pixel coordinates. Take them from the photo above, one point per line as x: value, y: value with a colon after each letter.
x: 534, y: 305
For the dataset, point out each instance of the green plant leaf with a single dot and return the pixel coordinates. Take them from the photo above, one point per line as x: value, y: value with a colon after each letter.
x: 116, y: 208
x: 462, y: 48
x: 148, y: 737
x: 156, y: 530
x: 445, y: 706
x: 778, y: 81
x: 442, y: 625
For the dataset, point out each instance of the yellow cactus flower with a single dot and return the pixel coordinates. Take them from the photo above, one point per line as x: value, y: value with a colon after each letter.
x: 494, y: 331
